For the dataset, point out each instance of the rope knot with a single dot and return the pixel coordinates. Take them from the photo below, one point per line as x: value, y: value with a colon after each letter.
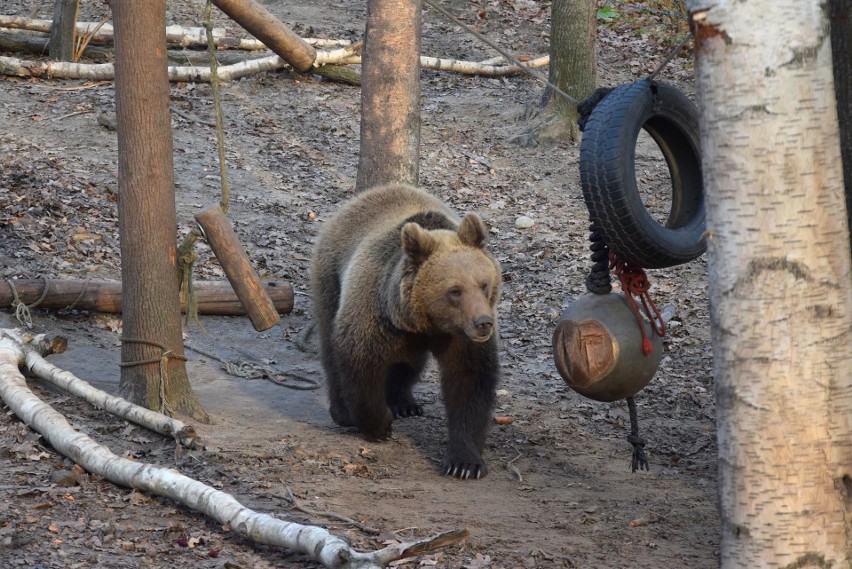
x: 635, y: 283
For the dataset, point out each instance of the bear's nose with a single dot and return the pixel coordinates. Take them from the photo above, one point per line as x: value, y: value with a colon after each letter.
x: 484, y: 324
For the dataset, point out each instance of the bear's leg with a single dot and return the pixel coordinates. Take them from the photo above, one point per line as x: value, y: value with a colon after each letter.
x: 362, y: 391
x: 325, y: 293
x: 336, y: 402
x: 367, y: 406
x: 469, y: 374
x: 400, y: 381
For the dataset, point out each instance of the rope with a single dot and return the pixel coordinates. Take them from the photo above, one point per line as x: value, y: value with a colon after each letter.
x: 71, y: 306
x: 186, y: 252
x: 598, y: 281
x: 217, y: 105
x: 533, y: 73
x: 163, y: 360
x: 509, y: 57
x: 250, y: 370
x: 638, y: 461
x: 634, y: 281
x: 668, y: 58
x: 22, y: 311
x: 186, y: 262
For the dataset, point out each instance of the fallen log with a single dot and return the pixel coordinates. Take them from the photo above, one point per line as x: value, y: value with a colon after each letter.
x: 214, y: 297
x: 344, y: 56
x: 10, y: 41
x: 315, y: 542
x: 180, y: 36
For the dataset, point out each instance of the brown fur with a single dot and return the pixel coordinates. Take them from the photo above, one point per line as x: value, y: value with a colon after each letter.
x: 396, y: 276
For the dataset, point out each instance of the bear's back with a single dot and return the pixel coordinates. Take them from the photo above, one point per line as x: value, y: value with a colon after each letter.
x: 374, y: 216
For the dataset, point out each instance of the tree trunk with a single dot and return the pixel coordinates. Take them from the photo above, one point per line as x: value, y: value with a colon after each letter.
x: 390, y: 94
x: 62, y: 30
x: 841, y: 50
x: 573, y: 65
x: 780, y: 282
x: 146, y: 214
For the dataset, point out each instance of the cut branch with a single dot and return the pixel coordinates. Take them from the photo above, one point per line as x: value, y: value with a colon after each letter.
x: 314, y: 542
x: 263, y: 25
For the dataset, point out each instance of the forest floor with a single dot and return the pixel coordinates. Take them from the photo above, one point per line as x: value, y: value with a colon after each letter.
x: 560, y: 492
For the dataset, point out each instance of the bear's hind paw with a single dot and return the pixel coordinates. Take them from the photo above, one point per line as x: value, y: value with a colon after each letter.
x: 465, y: 471
x: 411, y: 410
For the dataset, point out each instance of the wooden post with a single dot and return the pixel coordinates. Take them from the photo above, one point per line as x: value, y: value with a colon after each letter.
x: 262, y: 24
x: 214, y: 297
x: 62, y: 30
x: 234, y: 260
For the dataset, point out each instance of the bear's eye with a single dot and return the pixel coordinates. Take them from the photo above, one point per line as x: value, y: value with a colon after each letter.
x: 454, y: 292
x: 484, y: 288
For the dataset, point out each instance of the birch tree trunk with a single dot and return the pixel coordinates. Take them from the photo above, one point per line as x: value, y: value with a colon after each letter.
x: 841, y: 54
x: 390, y: 94
x: 780, y: 282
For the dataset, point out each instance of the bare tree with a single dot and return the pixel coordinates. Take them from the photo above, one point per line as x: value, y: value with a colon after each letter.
x: 390, y: 94
x: 780, y: 282
x: 61, y: 46
x: 573, y: 64
x: 153, y: 372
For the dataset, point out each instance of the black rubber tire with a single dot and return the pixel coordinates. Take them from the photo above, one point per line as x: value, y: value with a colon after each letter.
x: 608, y: 174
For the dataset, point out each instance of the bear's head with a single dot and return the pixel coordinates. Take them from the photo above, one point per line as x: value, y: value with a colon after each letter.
x: 451, y: 283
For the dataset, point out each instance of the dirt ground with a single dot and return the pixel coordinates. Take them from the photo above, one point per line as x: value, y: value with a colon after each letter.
x: 559, y: 493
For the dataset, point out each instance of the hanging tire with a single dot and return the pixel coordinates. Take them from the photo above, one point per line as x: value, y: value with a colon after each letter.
x: 608, y: 174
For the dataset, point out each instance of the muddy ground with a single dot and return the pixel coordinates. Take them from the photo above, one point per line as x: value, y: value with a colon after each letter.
x: 559, y: 493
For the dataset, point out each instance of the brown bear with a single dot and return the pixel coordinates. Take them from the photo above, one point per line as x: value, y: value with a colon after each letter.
x: 396, y: 276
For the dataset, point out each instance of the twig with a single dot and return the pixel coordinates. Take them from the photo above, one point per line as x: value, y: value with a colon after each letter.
x: 512, y: 467
x: 193, y: 119
x: 69, y: 115
x: 305, y: 510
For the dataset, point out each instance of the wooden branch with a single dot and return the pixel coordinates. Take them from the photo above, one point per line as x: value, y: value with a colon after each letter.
x: 314, y: 542
x: 262, y: 24
x: 214, y: 297
x: 480, y: 68
x: 180, y: 36
x: 35, y: 348
x: 235, y: 262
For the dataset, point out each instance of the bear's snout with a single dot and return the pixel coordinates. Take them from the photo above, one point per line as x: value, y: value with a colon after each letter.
x: 484, y: 326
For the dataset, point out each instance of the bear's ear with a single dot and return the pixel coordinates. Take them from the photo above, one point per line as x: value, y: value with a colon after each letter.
x: 472, y: 230
x: 417, y: 243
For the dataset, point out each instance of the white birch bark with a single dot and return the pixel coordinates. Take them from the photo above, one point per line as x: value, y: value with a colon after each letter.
x: 780, y: 282
x: 34, y: 361
x: 342, y: 56
x: 314, y: 542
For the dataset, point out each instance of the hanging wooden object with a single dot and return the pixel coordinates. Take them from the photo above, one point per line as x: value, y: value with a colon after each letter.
x: 96, y: 295
x: 235, y: 262
x: 262, y: 24
x: 597, y: 348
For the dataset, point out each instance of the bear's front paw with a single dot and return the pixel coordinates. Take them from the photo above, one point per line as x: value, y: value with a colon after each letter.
x: 377, y: 430
x: 465, y: 470
x: 408, y: 410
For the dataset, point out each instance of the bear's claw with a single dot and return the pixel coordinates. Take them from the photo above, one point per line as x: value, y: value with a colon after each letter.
x: 464, y: 471
x: 413, y: 410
